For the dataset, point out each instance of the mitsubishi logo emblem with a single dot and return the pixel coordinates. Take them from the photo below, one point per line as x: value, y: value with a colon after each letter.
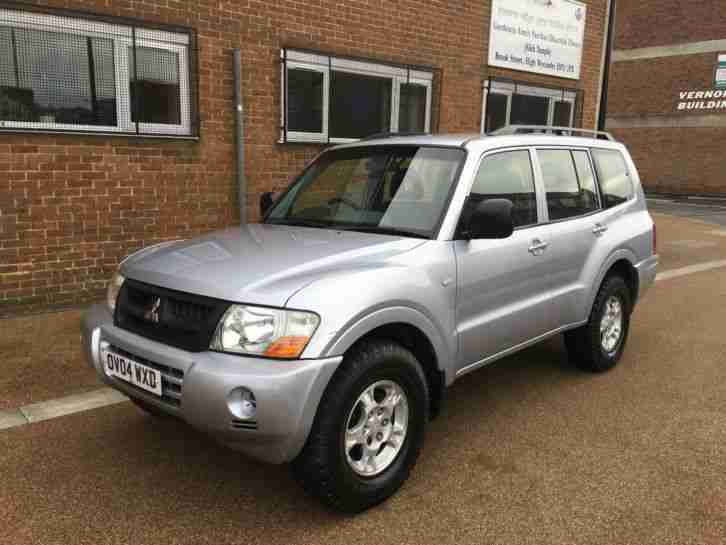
x: 152, y: 313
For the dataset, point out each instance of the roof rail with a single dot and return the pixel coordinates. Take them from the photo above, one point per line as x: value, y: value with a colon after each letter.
x: 561, y: 131
x: 378, y: 135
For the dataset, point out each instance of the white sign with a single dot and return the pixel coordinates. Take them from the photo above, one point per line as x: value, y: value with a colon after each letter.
x: 542, y: 36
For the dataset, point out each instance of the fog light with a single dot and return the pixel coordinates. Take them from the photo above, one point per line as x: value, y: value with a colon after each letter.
x: 242, y: 403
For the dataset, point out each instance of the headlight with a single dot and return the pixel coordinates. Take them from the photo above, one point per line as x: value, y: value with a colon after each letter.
x: 114, y: 286
x: 262, y: 331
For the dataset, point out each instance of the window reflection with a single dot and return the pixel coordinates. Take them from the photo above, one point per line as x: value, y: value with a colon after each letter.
x: 157, y: 83
x: 54, y: 77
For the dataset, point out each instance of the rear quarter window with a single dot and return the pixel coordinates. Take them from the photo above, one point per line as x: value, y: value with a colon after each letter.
x: 616, y: 186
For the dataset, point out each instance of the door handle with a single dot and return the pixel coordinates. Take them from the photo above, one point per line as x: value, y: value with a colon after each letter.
x: 599, y: 229
x: 538, y: 247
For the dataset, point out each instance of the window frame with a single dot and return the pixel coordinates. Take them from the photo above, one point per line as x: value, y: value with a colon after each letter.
x: 541, y: 209
x: 123, y: 35
x: 325, y: 64
x: 509, y: 89
x: 540, y: 173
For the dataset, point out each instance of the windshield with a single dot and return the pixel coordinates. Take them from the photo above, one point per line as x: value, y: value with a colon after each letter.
x: 387, y: 189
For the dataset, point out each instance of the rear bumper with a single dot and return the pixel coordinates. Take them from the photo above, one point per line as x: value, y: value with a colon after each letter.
x: 647, y: 270
x: 287, y: 392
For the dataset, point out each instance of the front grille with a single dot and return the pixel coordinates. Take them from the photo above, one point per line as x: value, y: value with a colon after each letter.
x: 172, y: 379
x: 179, y: 319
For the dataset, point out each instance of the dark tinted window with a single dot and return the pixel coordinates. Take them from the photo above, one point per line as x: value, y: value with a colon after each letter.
x: 566, y: 196
x: 529, y: 110
x: 615, y: 184
x: 412, y: 111
x: 508, y: 175
x: 157, y: 84
x: 359, y: 105
x: 304, y: 100
x: 496, y: 111
x: 562, y: 114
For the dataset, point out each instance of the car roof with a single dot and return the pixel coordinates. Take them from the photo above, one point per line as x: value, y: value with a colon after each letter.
x: 482, y: 142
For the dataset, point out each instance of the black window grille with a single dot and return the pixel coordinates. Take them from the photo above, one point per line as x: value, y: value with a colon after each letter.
x: 66, y: 72
x: 510, y: 102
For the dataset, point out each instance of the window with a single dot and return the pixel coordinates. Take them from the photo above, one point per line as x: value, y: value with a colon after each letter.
x: 330, y: 99
x: 61, y: 73
x: 413, y: 107
x: 615, y: 184
x: 508, y: 175
x: 305, y: 100
x: 511, y: 103
x: 569, y: 189
x: 497, y: 111
x: 529, y: 110
x: 387, y: 189
x: 361, y: 105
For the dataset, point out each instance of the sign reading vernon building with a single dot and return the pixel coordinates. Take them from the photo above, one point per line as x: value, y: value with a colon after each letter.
x: 541, y: 36
x: 711, y: 99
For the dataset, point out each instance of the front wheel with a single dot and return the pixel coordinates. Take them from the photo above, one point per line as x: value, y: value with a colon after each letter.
x: 598, y: 345
x: 368, y: 430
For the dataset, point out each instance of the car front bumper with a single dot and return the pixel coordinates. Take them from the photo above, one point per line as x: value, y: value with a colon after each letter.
x: 287, y: 392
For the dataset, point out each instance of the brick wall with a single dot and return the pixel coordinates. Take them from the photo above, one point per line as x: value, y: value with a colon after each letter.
x: 678, y: 161
x: 71, y: 207
x: 652, y: 86
x: 648, y: 23
x: 671, y: 159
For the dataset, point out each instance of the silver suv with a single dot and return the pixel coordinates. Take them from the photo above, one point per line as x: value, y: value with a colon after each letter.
x: 326, y: 335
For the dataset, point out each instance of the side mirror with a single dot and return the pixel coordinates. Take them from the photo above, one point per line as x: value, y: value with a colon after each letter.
x: 266, y: 202
x: 491, y: 219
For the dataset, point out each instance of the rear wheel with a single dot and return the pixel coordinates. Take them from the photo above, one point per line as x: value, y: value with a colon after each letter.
x: 598, y: 345
x: 368, y: 430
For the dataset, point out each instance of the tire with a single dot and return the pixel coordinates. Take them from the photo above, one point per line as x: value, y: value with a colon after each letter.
x: 585, y: 347
x: 325, y: 467
x: 148, y: 408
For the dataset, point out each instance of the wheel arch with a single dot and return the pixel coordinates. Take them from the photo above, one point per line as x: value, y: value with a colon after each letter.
x: 621, y: 262
x: 412, y: 330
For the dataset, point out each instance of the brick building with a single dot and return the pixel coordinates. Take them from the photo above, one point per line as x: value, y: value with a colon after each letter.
x: 667, y: 95
x: 117, y: 117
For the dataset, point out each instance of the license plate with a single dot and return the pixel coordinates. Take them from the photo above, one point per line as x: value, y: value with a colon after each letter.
x: 132, y: 372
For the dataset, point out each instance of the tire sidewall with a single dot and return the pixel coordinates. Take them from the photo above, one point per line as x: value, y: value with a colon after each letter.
x: 409, y: 381
x: 614, y: 286
x: 322, y: 467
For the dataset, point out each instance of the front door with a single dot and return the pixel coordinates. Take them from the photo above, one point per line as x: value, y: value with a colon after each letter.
x: 504, y: 286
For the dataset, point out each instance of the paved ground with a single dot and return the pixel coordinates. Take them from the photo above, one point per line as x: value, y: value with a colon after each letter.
x: 39, y: 359
x: 528, y: 450
x: 710, y: 210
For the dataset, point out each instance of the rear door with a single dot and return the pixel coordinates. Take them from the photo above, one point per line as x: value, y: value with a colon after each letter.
x: 503, y: 285
x: 573, y: 227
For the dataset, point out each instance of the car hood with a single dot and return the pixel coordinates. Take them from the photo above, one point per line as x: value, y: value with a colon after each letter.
x: 259, y: 263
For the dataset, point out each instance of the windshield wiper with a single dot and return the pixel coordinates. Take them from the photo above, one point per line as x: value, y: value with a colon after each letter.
x: 300, y: 222
x: 383, y: 231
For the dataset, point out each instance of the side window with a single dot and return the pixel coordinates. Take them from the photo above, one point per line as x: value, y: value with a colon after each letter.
x: 568, y: 193
x: 508, y: 175
x: 615, y: 184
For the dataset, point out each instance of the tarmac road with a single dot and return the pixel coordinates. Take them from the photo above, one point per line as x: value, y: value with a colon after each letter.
x: 528, y: 450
